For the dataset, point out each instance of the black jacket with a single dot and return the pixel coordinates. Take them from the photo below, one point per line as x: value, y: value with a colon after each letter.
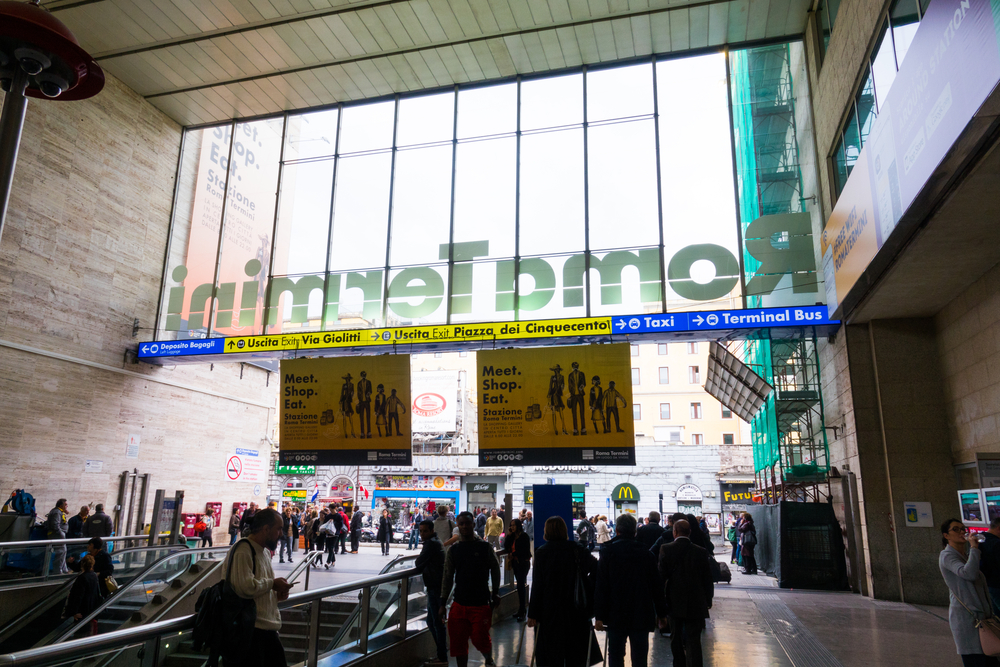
x: 430, y: 563
x: 98, y: 525
x: 648, y: 534
x: 74, y: 527
x: 481, y: 524
x: 629, y: 595
x: 989, y: 563
x: 84, y: 596
x: 563, y: 631
x: 685, y: 569
x: 666, y: 537
x: 474, y: 570
x: 356, y: 520
x: 519, y: 548
x: 384, y: 529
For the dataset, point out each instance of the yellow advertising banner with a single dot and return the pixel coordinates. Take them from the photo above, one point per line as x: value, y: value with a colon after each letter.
x: 556, y: 406
x: 849, y: 241
x: 439, y: 333
x: 345, y: 411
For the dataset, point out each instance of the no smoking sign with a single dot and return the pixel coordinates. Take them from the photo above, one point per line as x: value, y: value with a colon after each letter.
x: 234, y: 467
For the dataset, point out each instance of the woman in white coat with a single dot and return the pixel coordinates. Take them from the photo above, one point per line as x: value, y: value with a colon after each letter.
x: 603, y: 534
x: 970, y: 598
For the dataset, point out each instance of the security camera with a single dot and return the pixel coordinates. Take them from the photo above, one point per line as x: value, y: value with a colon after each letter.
x: 32, y: 60
x: 50, y: 84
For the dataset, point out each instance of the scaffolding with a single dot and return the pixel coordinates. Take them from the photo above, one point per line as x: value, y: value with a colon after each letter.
x: 791, y: 457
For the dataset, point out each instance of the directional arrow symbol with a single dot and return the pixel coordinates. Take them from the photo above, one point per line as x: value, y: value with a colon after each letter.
x: 699, y: 320
x: 230, y: 344
x: 375, y: 336
x: 620, y: 324
x: 145, y: 349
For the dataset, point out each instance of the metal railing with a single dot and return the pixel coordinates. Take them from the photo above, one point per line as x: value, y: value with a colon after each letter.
x: 154, y: 639
x: 33, y: 558
x: 57, y: 596
x: 164, y: 569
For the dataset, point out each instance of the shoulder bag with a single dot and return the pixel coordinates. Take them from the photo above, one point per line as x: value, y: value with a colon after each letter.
x: 989, y: 629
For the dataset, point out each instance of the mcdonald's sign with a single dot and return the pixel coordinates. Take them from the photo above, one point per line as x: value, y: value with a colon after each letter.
x: 625, y: 493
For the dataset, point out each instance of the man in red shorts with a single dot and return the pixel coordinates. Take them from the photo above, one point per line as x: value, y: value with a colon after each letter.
x: 471, y: 566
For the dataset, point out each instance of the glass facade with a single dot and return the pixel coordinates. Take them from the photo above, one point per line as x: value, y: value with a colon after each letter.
x: 597, y: 192
x: 880, y: 72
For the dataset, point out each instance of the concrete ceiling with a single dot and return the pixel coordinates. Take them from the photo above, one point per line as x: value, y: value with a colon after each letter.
x: 214, y: 60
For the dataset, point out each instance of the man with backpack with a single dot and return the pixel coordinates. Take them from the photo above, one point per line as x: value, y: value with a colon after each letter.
x: 249, y: 632
x: 356, y: 529
x: 55, y: 529
x: 586, y: 531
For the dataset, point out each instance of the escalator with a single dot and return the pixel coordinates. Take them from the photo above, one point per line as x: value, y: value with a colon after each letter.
x: 35, y: 622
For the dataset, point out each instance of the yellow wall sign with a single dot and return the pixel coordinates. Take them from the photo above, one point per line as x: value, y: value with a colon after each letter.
x: 625, y: 493
x: 296, y: 494
x: 345, y: 411
x: 556, y: 406
x: 442, y: 333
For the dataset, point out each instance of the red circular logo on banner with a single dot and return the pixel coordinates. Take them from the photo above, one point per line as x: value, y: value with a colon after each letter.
x: 234, y: 467
x: 428, y: 405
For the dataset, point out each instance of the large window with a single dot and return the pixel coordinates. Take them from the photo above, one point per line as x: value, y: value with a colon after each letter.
x: 604, y: 191
x: 664, y: 375
x: 664, y: 411
x: 877, y: 77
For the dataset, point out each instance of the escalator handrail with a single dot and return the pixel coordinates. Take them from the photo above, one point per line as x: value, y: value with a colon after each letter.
x: 86, y: 646
x: 114, y: 597
x: 41, y: 544
x: 303, y: 564
x: 59, y: 595
x: 357, y: 610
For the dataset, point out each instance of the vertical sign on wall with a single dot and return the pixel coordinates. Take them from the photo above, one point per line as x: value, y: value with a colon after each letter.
x: 556, y: 406
x: 346, y: 411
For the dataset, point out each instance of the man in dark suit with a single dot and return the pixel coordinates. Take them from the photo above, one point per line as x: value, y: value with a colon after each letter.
x: 685, y: 569
x: 629, y: 598
x: 651, y: 532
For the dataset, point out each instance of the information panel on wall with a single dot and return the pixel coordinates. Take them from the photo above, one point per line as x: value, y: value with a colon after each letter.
x: 345, y: 411
x: 556, y: 406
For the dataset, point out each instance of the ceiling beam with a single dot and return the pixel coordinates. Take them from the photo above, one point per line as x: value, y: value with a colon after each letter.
x: 439, y: 45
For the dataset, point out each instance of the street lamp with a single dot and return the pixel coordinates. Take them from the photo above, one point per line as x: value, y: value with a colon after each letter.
x: 39, y: 57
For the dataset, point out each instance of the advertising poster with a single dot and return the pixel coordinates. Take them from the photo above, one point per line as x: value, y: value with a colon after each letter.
x: 345, y: 411
x: 556, y: 406
x: 416, y: 483
x: 435, y: 395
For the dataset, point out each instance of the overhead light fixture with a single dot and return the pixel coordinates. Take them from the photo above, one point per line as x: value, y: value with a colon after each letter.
x: 733, y: 384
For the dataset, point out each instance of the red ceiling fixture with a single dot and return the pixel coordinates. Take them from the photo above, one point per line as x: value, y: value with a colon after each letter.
x: 40, y: 58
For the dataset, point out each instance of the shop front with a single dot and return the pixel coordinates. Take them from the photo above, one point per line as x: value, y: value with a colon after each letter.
x: 402, y: 495
x: 625, y: 497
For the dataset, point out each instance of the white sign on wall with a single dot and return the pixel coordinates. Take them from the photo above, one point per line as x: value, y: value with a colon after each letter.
x: 688, y: 492
x: 246, y: 465
x: 132, y: 446
x: 435, y: 394
x: 918, y: 515
x: 93, y: 466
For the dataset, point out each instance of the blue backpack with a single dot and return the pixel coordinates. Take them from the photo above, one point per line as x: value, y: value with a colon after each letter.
x: 21, y: 502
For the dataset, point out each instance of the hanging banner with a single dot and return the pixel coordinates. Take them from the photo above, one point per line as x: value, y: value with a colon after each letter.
x: 435, y: 395
x: 556, y: 406
x: 345, y: 411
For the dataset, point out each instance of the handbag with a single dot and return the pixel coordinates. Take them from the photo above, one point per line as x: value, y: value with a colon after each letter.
x: 989, y: 630
x: 111, y: 584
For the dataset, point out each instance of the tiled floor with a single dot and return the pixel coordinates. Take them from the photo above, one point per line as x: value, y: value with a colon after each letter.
x: 753, y: 623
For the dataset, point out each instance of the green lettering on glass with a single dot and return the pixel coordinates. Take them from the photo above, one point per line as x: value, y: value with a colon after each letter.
x: 199, y: 304
x: 782, y: 243
x: 461, y: 277
x: 251, y: 294
x: 370, y: 284
x: 545, y: 284
x: 610, y: 268
x: 727, y: 272
x: 429, y: 288
x: 299, y: 290
x: 175, y: 300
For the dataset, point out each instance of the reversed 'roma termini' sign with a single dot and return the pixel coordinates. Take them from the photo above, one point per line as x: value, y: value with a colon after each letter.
x: 345, y: 411
x: 556, y: 406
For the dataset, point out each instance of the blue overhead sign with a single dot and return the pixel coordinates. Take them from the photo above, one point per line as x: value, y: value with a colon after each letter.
x: 182, y: 348
x: 751, y: 318
x: 531, y: 333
